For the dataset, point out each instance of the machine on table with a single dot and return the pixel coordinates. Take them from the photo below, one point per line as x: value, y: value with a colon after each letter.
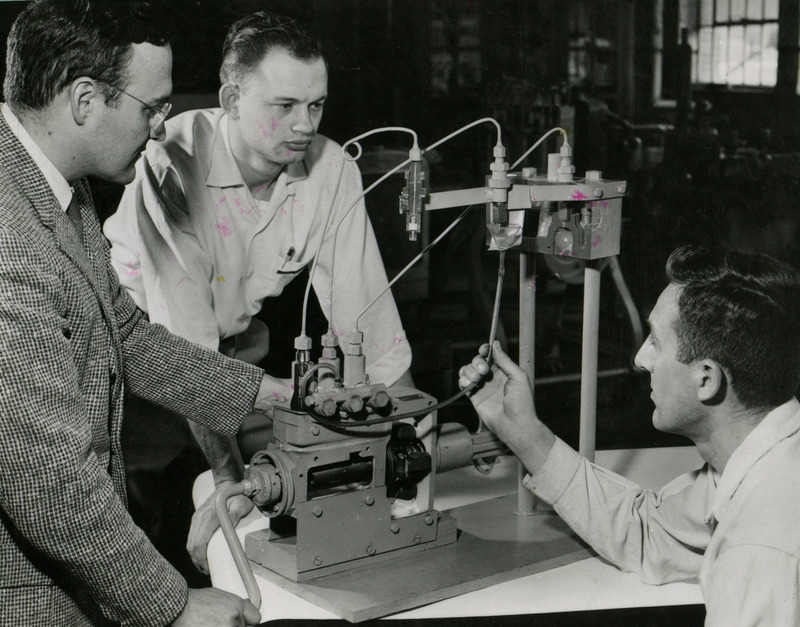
x: 349, y: 481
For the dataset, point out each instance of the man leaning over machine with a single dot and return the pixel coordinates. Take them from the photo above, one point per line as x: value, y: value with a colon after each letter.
x: 234, y: 204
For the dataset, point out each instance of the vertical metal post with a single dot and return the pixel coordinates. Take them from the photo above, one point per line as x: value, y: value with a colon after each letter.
x: 526, y: 501
x: 589, y: 350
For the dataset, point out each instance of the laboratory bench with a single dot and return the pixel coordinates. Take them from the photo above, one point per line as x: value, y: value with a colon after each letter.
x: 584, y: 589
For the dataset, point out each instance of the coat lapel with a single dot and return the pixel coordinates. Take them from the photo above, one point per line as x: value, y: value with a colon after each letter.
x: 89, y: 260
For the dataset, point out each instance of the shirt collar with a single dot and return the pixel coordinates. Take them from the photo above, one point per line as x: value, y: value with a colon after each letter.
x: 777, y: 425
x: 56, y: 181
x: 223, y: 171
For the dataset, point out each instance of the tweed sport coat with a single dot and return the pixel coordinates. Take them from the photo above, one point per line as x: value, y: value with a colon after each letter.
x: 72, y: 342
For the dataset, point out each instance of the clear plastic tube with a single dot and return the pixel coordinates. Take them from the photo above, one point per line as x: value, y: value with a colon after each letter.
x: 397, y: 168
x: 229, y: 531
x: 539, y: 141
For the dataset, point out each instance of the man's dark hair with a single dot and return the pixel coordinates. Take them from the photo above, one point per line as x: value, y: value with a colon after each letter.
x: 250, y: 39
x: 743, y: 311
x: 53, y: 42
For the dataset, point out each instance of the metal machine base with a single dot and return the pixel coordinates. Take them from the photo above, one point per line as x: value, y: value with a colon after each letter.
x: 494, y: 545
x: 285, y: 557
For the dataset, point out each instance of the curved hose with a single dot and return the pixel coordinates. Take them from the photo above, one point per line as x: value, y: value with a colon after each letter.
x: 540, y: 140
x: 397, y: 168
x: 412, y: 262
x: 228, y: 530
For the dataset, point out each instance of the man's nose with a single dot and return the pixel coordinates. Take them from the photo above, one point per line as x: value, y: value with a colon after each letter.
x: 159, y: 133
x: 303, y: 123
x: 641, y: 360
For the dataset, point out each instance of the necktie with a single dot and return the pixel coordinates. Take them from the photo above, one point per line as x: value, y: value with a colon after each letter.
x: 74, y: 213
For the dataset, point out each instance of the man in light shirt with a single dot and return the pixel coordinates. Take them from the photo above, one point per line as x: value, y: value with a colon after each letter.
x: 234, y: 204
x: 723, y: 355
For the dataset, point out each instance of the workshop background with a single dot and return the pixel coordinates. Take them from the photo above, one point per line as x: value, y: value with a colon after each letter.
x: 693, y: 102
x: 707, y: 136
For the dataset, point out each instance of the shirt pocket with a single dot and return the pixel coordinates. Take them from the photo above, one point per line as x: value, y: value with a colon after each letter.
x: 290, y: 267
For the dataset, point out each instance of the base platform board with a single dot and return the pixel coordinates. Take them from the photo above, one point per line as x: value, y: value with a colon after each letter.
x: 494, y: 545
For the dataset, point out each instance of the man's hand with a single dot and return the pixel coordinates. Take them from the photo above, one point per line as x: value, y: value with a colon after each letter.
x: 503, y: 397
x: 205, y: 523
x: 270, y: 391
x: 209, y: 607
x: 504, y: 401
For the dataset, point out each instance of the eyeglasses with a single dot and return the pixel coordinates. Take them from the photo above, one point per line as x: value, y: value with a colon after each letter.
x: 157, y: 113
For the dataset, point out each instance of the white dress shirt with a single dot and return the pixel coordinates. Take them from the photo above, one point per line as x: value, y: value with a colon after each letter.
x: 738, y: 532
x: 200, y: 254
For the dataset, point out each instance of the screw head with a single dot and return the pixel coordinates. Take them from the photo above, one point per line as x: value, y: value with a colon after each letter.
x: 318, y: 561
x: 317, y: 511
x: 371, y: 549
x: 369, y: 499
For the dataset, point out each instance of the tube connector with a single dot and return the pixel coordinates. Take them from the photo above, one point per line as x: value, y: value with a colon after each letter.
x: 499, y: 172
x: 499, y: 184
x: 566, y: 170
x: 329, y: 343
x: 355, y: 363
x: 413, y: 194
x: 300, y: 365
x: 302, y: 343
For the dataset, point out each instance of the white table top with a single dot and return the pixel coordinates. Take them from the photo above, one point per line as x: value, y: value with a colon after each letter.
x: 589, y: 584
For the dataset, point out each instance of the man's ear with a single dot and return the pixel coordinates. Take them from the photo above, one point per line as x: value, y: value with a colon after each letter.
x: 711, y: 381
x: 84, y: 96
x: 229, y: 100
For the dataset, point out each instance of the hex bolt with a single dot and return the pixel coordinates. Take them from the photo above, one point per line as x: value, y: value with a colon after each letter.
x: 598, y: 193
x: 428, y: 519
x: 417, y: 539
x: 328, y: 408
x: 318, y: 561
x: 317, y: 511
x: 315, y: 430
x: 380, y: 399
x: 369, y: 499
x: 394, y: 527
x: 353, y: 404
x: 371, y: 549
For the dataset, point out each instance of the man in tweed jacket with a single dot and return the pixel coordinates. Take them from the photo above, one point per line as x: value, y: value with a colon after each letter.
x: 85, y: 89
